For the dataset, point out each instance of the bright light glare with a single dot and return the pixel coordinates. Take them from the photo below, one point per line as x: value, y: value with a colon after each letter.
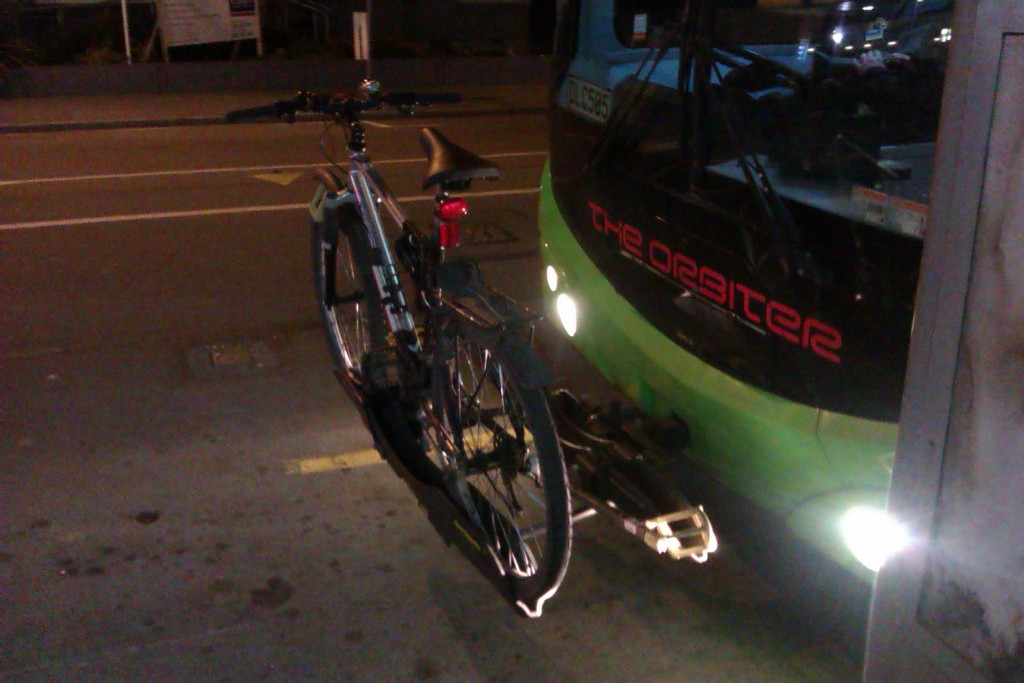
x: 566, y: 308
x: 872, y: 535
x: 552, y: 275
x: 837, y: 37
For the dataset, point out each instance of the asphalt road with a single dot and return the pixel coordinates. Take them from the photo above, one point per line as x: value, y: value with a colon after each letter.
x: 185, y: 493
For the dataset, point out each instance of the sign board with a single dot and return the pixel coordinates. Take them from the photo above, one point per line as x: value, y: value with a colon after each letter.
x: 196, y: 22
x: 245, y: 19
x: 891, y: 212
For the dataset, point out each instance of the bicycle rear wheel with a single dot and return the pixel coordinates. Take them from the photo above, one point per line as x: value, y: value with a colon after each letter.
x: 490, y: 431
x: 347, y: 295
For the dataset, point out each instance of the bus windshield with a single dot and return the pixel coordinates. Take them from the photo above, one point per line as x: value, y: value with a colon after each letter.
x: 832, y: 106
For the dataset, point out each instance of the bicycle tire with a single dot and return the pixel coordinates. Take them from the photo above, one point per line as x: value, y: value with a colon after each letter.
x: 353, y: 323
x: 513, y: 486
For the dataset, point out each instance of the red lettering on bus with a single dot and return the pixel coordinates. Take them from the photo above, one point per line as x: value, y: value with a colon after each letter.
x: 712, y: 285
x: 822, y: 339
x: 684, y: 269
x: 611, y: 226
x: 748, y: 294
x: 664, y: 265
x: 631, y: 239
x: 781, y: 320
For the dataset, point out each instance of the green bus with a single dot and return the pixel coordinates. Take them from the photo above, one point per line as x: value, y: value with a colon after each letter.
x: 732, y: 220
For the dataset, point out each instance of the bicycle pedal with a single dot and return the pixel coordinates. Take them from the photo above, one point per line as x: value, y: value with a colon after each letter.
x: 682, y: 534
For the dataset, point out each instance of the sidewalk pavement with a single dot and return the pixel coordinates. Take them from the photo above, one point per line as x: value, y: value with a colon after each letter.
x: 46, y: 114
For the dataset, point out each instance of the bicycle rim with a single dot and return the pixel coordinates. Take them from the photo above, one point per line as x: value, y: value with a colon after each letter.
x: 495, y: 442
x: 348, y: 320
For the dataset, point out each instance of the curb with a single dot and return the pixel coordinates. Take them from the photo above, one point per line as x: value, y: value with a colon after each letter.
x: 63, y: 126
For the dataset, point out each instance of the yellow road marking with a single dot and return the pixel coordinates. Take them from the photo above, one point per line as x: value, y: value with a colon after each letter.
x: 345, y: 461
x: 278, y: 177
x: 468, y: 536
x: 364, y: 458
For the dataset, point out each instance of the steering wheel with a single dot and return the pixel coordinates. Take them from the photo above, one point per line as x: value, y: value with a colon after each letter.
x: 759, y: 73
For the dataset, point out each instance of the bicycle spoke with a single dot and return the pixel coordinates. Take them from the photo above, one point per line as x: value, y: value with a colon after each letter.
x: 507, y: 519
x: 344, y: 307
x: 495, y: 455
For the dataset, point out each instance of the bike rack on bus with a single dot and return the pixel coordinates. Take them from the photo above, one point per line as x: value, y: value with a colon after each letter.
x: 611, y: 460
x: 607, y: 471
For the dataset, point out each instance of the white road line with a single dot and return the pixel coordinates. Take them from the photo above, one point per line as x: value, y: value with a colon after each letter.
x: 228, y: 169
x: 224, y: 211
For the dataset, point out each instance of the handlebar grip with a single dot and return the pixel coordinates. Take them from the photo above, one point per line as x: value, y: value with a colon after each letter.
x: 276, y: 110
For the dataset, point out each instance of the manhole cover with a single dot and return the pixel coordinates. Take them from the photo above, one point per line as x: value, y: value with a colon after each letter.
x: 230, y: 359
x: 479, y: 234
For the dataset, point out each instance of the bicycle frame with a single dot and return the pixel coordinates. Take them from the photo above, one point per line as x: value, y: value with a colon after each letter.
x: 366, y: 190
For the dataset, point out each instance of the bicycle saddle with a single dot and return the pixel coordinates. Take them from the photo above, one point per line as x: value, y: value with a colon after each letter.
x: 448, y: 163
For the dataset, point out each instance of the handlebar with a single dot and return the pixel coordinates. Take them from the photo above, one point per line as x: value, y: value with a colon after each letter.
x: 276, y: 110
x: 346, y: 105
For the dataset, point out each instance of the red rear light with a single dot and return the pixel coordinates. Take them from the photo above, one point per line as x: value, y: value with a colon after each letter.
x: 452, y: 209
x: 449, y: 234
x: 448, y: 211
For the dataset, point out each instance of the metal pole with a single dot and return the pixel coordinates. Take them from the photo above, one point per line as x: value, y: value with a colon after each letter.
x: 369, y: 35
x: 259, y: 29
x: 127, y: 35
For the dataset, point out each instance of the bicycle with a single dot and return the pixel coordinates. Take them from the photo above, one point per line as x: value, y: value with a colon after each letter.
x: 452, y: 389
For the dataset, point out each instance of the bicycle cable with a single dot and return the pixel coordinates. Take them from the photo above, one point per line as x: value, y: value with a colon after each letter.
x: 328, y: 124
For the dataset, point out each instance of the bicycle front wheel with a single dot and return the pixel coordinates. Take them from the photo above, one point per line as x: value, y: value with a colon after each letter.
x: 490, y: 431
x: 347, y: 295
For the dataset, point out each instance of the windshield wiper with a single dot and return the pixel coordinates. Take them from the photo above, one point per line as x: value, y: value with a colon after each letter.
x: 620, y: 114
x: 774, y: 208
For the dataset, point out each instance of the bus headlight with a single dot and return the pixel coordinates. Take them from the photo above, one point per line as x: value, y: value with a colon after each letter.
x: 872, y: 535
x: 552, y: 276
x: 566, y: 308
